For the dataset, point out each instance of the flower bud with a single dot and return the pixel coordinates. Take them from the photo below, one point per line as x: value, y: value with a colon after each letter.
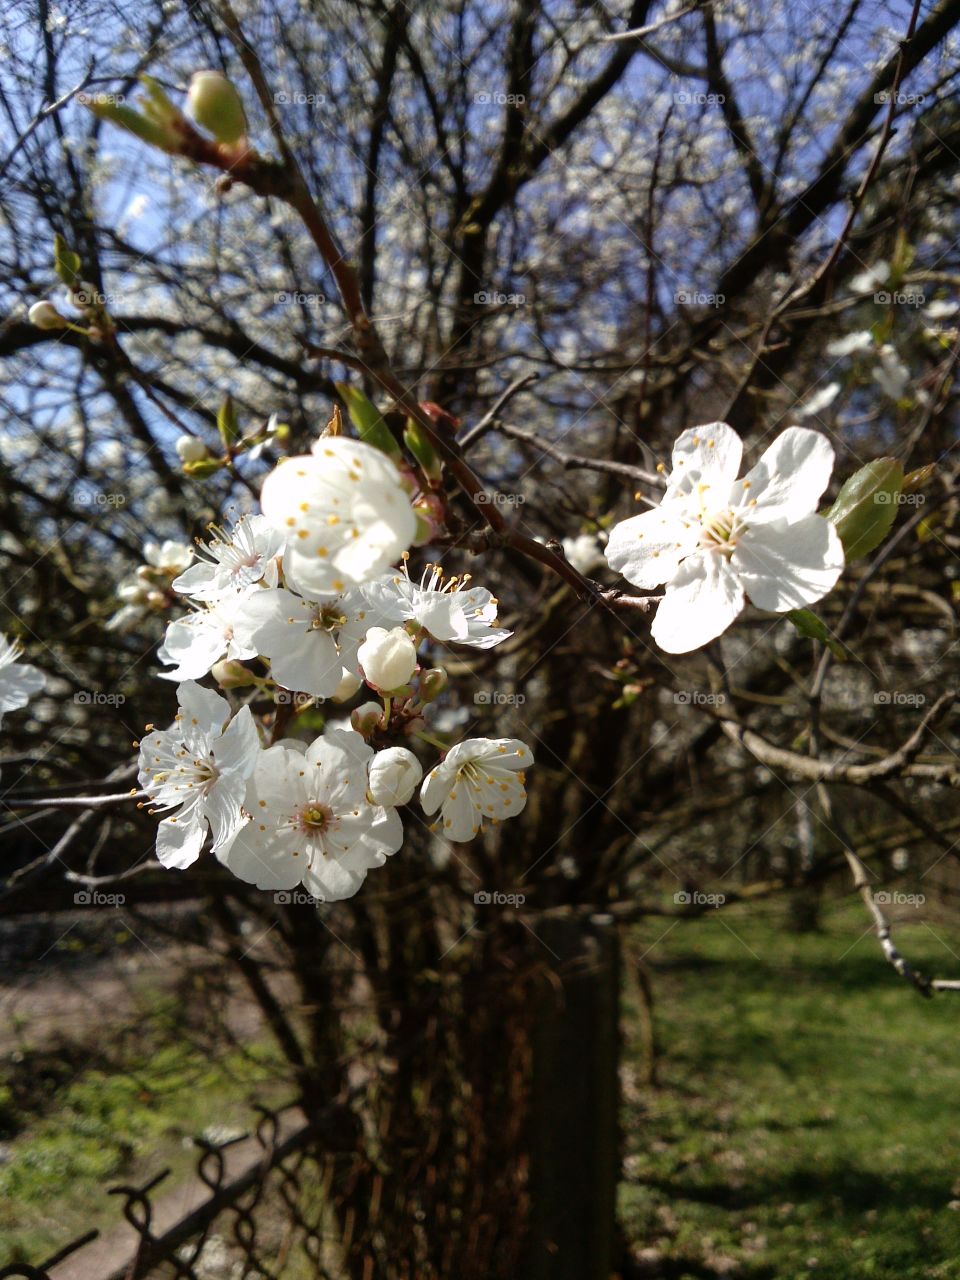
x: 388, y: 658
x: 231, y: 674
x: 44, y: 315
x: 432, y: 684
x: 348, y: 686
x: 394, y: 776
x: 190, y: 449
x: 213, y: 102
x: 367, y: 718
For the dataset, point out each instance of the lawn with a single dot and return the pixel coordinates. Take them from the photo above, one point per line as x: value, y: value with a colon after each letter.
x: 804, y: 1123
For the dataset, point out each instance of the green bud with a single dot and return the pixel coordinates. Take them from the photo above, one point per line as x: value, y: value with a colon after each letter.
x: 203, y: 467
x: 227, y: 423
x: 214, y: 103
x: 231, y: 674
x: 432, y: 683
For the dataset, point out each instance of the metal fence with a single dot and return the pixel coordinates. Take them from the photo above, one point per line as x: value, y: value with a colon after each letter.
x: 256, y: 1206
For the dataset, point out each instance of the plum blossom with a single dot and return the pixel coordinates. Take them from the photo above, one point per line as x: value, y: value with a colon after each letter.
x: 194, y: 643
x: 445, y: 608
x: 584, y: 552
x: 232, y: 562
x: 199, y: 766
x: 478, y: 778
x: 311, y: 822
x: 310, y: 645
x: 715, y: 540
x: 148, y: 590
x: 19, y: 681
x: 343, y: 512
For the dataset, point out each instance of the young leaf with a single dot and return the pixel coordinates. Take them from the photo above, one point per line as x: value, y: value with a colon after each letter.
x: 368, y: 420
x: 814, y: 628
x: 227, y: 423
x: 866, y: 506
x: 66, y: 263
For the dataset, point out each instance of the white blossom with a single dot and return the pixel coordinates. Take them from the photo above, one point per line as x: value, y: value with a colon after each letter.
x: 199, y: 766
x: 584, y: 552
x: 343, y: 512
x: 714, y: 540
x: 394, y: 775
x: 311, y: 822
x: 309, y: 643
x: 19, y: 681
x: 232, y: 562
x: 477, y: 779
x: 850, y: 343
x: 194, y: 643
x: 445, y: 608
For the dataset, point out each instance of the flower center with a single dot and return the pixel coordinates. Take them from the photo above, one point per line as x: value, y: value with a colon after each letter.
x: 327, y: 617
x: 720, y: 531
x: 315, y: 819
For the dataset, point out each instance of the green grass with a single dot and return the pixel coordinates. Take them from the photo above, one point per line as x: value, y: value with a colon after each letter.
x: 90, y: 1120
x: 804, y: 1120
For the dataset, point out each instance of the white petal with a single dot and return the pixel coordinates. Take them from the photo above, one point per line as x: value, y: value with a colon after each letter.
x: 436, y: 787
x: 222, y: 807
x: 270, y: 859
x: 700, y: 603
x: 462, y: 811
x: 192, y: 646
x: 647, y: 549
x: 788, y: 565
x: 789, y: 478
x: 708, y: 455
x: 238, y: 746
x: 180, y: 838
x: 310, y: 663
x: 202, y: 714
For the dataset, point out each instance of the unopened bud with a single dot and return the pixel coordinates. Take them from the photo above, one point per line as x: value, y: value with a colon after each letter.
x: 213, y: 102
x: 231, y: 674
x: 347, y: 687
x: 44, y: 315
x: 430, y: 519
x: 388, y: 658
x: 366, y: 719
x: 203, y: 467
x: 190, y: 449
x: 432, y: 683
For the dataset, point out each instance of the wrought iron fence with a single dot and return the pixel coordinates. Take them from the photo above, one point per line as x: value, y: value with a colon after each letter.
x: 257, y: 1206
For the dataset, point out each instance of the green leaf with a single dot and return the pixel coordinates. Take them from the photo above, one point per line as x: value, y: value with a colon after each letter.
x: 66, y: 263
x: 368, y: 420
x: 227, y: 423
x: 866, y: 506
x: 421, y: 448
x: 814, y: 628
x: 203, y: 468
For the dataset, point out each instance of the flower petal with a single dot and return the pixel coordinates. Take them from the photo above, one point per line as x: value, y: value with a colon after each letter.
x: 789, y: 478
x: 701, y: 602
x: 787, y: 564
x: 180, y: 838
x: 708, y: 455
x: 647, y: 549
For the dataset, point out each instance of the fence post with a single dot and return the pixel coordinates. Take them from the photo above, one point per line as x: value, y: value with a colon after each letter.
x: 574, y: 1121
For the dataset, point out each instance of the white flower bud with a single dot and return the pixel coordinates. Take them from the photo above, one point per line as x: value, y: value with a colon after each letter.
x: 216, y: 106
x: 394, y: 776
x: 190, y: 449
x: 347, y: 687
x: 44, y: 315
x: 388, y: 658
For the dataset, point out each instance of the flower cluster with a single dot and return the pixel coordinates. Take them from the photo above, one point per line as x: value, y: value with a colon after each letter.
x: 305, y: 599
